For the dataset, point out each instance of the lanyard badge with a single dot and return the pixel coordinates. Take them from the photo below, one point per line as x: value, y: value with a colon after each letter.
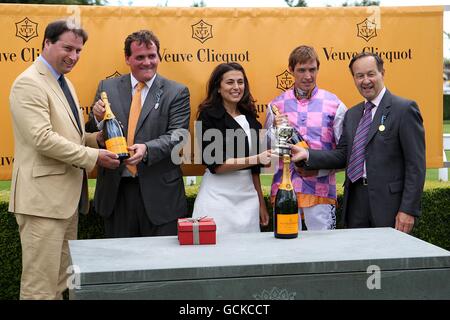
x: 382, y: 127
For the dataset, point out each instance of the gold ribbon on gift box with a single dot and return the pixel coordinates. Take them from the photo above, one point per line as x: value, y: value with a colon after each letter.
x: 195, y: 228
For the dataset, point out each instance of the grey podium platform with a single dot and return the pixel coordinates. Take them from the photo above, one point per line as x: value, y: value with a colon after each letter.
x: 377, y: 263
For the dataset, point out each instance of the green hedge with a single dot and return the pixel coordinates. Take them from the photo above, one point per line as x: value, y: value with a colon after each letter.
x: 433, y: 227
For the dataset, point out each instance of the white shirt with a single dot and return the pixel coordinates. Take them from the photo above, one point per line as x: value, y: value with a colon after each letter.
x: 145, y: 89
x: 242, y: 121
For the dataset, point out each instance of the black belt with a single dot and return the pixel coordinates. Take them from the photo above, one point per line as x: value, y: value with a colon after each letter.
x: 361, y: 181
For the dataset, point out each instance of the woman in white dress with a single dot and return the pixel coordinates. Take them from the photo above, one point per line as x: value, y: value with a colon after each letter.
x: 230, y: 191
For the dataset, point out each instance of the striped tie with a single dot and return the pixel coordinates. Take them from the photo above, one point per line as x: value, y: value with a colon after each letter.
x: 356, y: 162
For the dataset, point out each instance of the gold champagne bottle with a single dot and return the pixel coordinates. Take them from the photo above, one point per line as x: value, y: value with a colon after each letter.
x: 296, y: 138
x: 285, y: 211
x: 112, y: 132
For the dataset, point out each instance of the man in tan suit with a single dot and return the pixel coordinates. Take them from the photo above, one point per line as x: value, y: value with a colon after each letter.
x: 49, y: 185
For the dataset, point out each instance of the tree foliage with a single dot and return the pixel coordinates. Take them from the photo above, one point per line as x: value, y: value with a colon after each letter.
x: 296, y: 3
x: 198, y: 4
x: 71, y: 2
x: 362, y: 3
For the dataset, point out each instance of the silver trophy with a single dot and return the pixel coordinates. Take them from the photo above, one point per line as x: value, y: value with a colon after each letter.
x: 284, y: 133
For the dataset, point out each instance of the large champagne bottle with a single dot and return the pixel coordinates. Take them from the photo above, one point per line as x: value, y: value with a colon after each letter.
x: 285, y: 211
x: 296, y: 138
x: 112, y: 132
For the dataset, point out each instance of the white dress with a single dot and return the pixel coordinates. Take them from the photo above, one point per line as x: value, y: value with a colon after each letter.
x: 230, y: 198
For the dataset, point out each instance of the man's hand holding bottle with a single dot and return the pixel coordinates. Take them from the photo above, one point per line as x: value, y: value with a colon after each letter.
x: 99, y: 110
x: 107, y: 159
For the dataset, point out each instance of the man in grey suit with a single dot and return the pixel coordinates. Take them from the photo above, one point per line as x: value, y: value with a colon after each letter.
x: 382, y: 147
x: 146, y: 200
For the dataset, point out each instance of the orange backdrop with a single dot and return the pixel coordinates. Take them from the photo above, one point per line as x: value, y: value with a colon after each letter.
x: 195, y: 40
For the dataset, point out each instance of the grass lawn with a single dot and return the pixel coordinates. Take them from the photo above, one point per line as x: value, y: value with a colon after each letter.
x: 266, y: 181
x: 446, y: 126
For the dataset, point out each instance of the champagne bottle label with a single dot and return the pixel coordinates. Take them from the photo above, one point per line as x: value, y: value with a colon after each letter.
x: 108, y: 114
x: 287, y: 223
x: 286, y: 185
x: 117, y: 145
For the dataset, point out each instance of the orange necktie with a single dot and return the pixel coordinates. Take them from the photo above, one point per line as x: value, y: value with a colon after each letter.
x: 135, y: 111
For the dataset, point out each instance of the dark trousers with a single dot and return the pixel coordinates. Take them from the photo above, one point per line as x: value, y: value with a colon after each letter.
x: 358, y: 213
x: 129, y: 218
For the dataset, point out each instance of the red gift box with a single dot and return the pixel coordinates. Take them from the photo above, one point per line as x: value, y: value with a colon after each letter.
x: 197, y: 231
